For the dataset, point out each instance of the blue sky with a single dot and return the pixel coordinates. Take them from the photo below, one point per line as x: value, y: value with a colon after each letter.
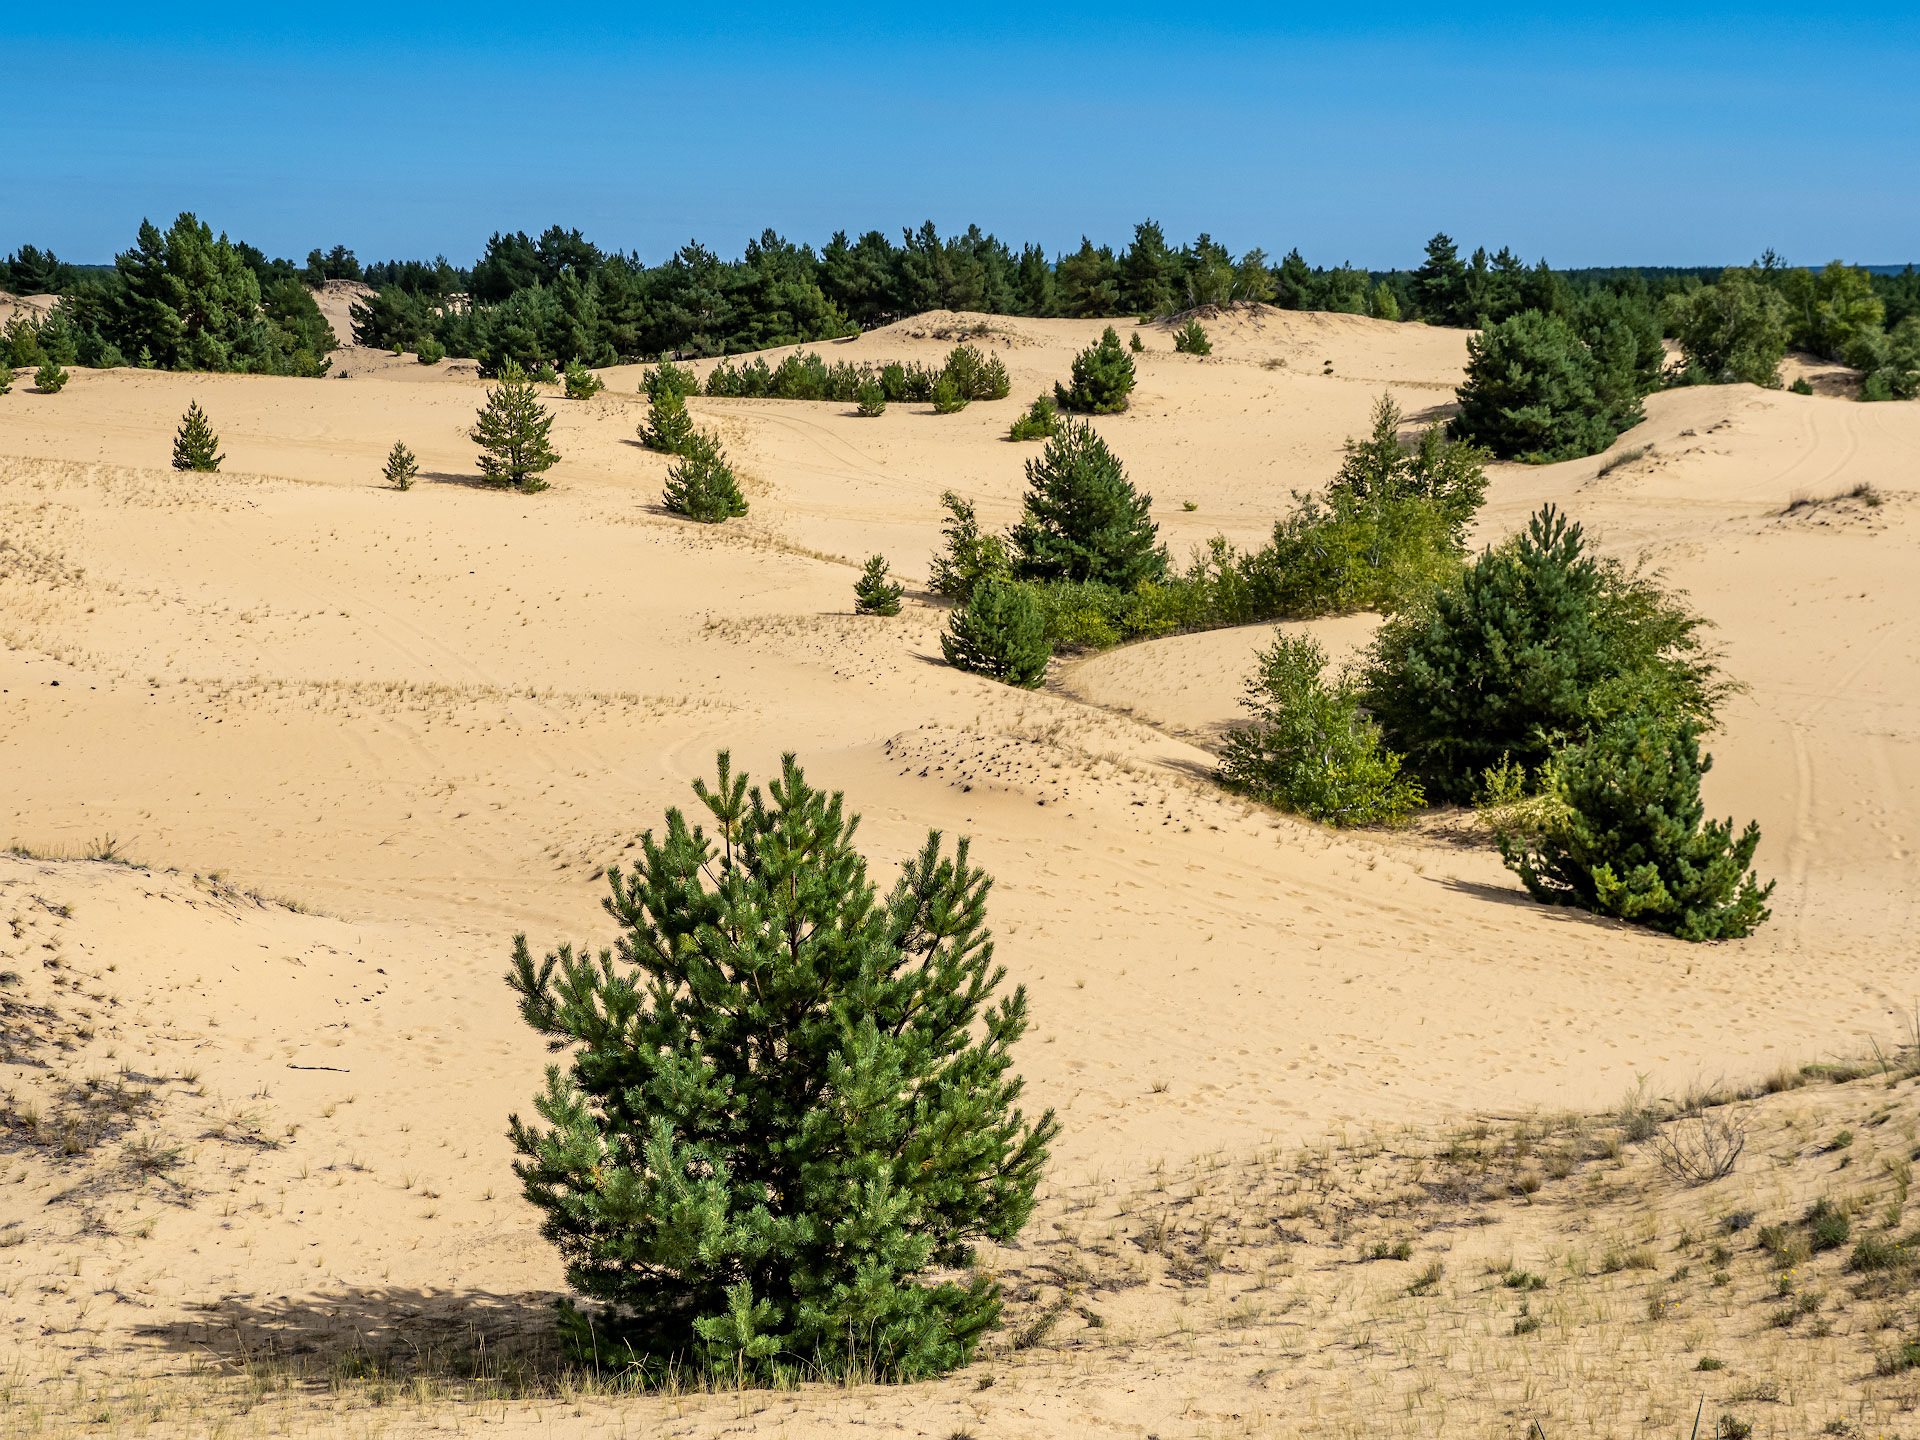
x: 1629, y: 135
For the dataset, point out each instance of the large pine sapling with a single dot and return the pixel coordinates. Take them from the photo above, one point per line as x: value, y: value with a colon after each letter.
x: 1627, y: 837
x: 512, y: 433
x: 1102, y: 378
x: 1084, y: 521
x: 1001, y: 632
x: 874, y: 593
x: 787, y: 1099
x: 701, y: 484
x: 668, y: 427
x: 971, y: 556
x: 195, y: 446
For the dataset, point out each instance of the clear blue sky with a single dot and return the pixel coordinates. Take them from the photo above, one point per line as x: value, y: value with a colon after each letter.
x: 1633, y: 134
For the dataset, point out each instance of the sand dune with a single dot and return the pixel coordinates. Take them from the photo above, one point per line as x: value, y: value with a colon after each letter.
x: 432, y: 717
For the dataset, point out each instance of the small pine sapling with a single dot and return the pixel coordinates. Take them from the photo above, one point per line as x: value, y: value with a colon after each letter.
x: 431, y: 352
x: 869, y: 400
x: 401, y: 466
x: 512, y: 433
x: 582, y: 383
x: 1191, y: 339
x: 701, y: 485
x: 545, y: 374
x: 1102, y: 378
x: 194, y: 443
x: 50, y: 378
x: 1801, y: 386
x: 1136, y: 344
x: 1041, y: 420
x: 947, y: 397
x: 972, y: 555
x: 668, y: 427
x: 1000, y: 632
x: 874, y: 593
x: 6, y: 378
x: 668, y: 376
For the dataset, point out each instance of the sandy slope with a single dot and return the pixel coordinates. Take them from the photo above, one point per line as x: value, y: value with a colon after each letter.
x: 433, y: 716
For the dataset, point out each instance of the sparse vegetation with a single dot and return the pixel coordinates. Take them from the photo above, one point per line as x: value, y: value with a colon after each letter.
x: 699, y: 1225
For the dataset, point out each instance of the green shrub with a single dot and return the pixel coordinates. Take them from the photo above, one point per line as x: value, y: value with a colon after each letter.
x: 1102, y: 378
x: 947, y: 398
x: 668, y: 427
x: 971, y: 555
x: 874, y: 593
x: 431, y: 352
x: 543, y: 374
x: 870, y: 400
x: 975, y: 376
x: 194, y: 443
x: 1534, y: 391
x: 6, y: 378
x: 1801, y: 386
x: 667, y: 376
x: 50, y: 379
x: 1191, y: 339
x: 999, y: 632
x: 512, y: 433
x: 401, y: 466
x: 1308, y: 749
x: 1535, y: 644
x: 582, y: 383
x: 1631, y: 842
x: 1889, y: 361
x: 1732, y: 332
x: 701, y: 484
x: 1041, y: 420
x: 786, y: 1100
x: 1136, y: 344
x: 1448, y: 474
x: 1083, y: 519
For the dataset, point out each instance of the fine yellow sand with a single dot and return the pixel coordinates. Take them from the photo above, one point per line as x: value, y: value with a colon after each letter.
x: 429, y: 719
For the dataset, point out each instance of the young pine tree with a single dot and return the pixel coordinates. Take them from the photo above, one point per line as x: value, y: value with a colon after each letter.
x: 972, y: 555
x: 874, y: 593
x: 701, y: 484
x: 1041, y: 420
x: 50, y: 378
x: 668, y: 427
x: 948, y: 399
x: 401, y: 467
x: 1628, y: 839
x: 1000, y: 632
x: 870, y: 400
x: 669, y: 376
x: 194, y: 443
x: 1102, y: 378
x: 582, y: 383
x: 6, y: 378
x: 788, y: 1099
x: 1191, y: 339
x: 512, y: 433
x: 1084, y: 520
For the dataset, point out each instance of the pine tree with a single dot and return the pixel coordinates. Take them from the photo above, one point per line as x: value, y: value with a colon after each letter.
x: 1191, y: 339
x: 1102, y: 378
x: 788, y: 1099
x: 401, y: 466
x: 971, y: 555
x: 1534, y: 391
x: 1084, y: 521
x: 874, y: 593
x: 6, y: 378
x: 701, y: 484
x: 1440, y: 284
x: 1041, y: 420
x: 668, y: 427
x: 1000, y: 632
x: 512, y: 433
x: 870, y: 400
x: 50, y: 378
x: 947, y: 396
x: 668, y: 376
x: 582, y: 383
x: 1628, y: 838
x: 1136, y: 344
x: 194, y: 442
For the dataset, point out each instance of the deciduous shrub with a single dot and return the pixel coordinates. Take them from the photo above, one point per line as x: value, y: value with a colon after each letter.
x: 999, y: 632
x: 1888, y: 361
x: 1534, y: 645
x: 512, y: 433
x: 1102, y: 378
x: 787, y: 1099
x: 971, y: 554
x: 1631, y: 842
x: 874, y: 593
x: 194, y: 443
x: 1308, y: 748
x: 701, y: 484
x: 1732, y: 332
x: 1083, y: 519
x: 401, y: 466
x: 1041, y: 420
x: 1191, y: 339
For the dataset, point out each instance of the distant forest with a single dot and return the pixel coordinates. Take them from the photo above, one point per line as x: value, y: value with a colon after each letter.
x: 183, y: 298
